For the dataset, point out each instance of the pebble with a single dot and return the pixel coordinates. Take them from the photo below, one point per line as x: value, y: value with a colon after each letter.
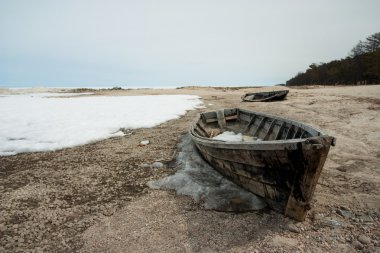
x: 341, y: 169
x: 344, y: 208
x: 126, y: 131
x: 331, y: 223
x: 357, y: 245
x: 364, y: 239
x: 365, y: 218
x: 345, y: 213
x: 157, y: 165
x: 292, y: 228
x: 317, y: 217
x: 144, y: 142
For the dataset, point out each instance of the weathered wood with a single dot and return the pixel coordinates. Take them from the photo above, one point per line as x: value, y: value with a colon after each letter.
x: 250, y: 123
x: 265, y: 96
x: 296, y: 131
x: 279, y: 133
x: 285, y: 172
x: 301, y: 134
x: 204, y: 132
x: 221, y: 119
x: 270, y: 129
x: 228, y: 118
x: 289, y: 131
x: 260, y: 126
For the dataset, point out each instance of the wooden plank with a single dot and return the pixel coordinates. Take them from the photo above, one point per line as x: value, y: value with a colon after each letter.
x: 301, y: 134
x: 262, y: 122
x: 250, y: 123
x: 309, y: 163
x: 221, y: 119
x: 205, y: 134
x: 289, y: 131
x: 280, y: 131
x: 270, y: 129
x: 228, y: 118
x: 244, y: 156
x: 197, y: 131
x: 296, y: 132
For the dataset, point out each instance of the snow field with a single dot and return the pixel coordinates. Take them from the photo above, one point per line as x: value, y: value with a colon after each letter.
x: 45, y: 122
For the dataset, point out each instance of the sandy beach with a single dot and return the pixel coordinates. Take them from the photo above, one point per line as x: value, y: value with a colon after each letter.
x: 94, y: 198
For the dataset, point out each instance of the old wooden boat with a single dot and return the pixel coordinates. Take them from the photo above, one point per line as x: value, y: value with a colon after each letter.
x: 265, y: 96
x: 281, y: 162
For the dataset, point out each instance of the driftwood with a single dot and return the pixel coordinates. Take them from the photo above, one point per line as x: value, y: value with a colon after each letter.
x: 283, y: 164
x: 265, y: 96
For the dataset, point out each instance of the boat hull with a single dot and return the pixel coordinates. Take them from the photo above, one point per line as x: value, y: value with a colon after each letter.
x: 284, y: 172
x: 265, y: 96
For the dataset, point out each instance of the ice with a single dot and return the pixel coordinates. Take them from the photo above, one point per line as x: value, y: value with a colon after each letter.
x: 45, y: 122
x: 197, y: 179
x: 144, y: 142
x: 229, y: 136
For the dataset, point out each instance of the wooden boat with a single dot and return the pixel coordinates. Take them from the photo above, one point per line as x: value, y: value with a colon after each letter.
x: 282, y: 165
x: 265, y: 96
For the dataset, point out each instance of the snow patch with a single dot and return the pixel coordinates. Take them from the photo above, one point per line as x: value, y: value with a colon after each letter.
x: 229, y: 136
x: 45, y: 122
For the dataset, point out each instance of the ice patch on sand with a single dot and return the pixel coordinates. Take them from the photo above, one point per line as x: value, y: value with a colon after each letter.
x: 196, y: 178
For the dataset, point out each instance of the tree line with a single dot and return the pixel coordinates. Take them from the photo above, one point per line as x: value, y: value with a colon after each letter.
x: 362, y: 66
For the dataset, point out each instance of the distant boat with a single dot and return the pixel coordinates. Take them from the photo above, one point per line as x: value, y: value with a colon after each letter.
x: 281, y: 161
x: 265, y: 96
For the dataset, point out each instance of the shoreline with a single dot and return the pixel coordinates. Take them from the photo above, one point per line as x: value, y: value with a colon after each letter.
x: 94, y: 198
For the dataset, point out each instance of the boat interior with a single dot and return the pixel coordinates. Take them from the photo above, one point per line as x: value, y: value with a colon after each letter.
x: 260, y: 126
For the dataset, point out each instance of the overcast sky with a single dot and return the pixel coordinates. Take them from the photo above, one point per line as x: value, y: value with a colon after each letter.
x: 175, y: 42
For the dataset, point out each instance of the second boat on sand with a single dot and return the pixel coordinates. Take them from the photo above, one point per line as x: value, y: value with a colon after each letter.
x: 265, y: 96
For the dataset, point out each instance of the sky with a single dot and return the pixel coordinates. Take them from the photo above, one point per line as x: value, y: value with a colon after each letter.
x: 163, y: 43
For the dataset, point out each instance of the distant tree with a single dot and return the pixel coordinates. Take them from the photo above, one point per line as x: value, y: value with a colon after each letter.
x: 359, y: 49
x: 372, y: 43
x: 313, y: 66
x: 362, y: 66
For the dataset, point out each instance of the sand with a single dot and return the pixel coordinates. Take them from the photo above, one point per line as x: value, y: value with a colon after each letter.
x: 94, y: 198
